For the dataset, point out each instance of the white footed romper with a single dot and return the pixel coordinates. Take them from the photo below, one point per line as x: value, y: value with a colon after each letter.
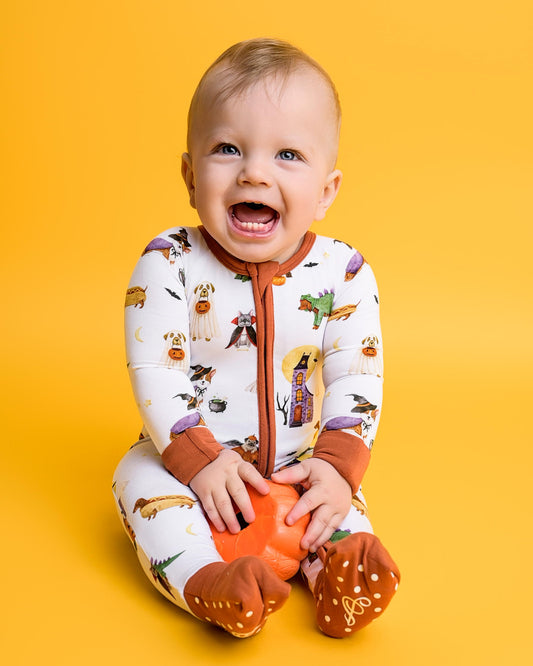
x: 277, y: 362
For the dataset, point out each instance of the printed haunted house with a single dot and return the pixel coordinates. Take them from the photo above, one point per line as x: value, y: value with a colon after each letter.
x: 301, y: 397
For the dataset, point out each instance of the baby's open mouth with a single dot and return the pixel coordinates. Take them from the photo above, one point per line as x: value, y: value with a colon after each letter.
x: 250, y: 216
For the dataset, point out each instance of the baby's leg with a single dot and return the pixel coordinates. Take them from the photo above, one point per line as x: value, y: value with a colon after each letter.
x: 171, y: 536
x: 353, y: 578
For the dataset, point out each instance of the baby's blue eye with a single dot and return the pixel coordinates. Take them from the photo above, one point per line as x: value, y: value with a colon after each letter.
x: 288, y: 155
x: 228, y: 149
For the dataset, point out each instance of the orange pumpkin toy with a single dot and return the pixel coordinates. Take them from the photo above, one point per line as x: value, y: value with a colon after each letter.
x: 268, y: 537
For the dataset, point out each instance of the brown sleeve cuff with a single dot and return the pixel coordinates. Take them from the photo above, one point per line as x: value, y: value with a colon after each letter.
x: 190, y: 452
x: 348, y: 454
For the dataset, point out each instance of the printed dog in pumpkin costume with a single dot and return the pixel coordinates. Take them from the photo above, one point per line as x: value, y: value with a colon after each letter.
x: 204, y: 323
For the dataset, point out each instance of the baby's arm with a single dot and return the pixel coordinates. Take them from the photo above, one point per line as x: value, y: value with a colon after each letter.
x: 158, y: 355
x: 158, y: 352
x: 350, y: 412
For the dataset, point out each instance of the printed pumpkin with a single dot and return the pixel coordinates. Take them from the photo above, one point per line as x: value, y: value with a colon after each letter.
x: 268, y: 537
x: 202, y: 307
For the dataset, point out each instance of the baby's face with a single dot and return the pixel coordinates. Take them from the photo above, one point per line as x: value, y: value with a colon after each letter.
x: 261, y: 165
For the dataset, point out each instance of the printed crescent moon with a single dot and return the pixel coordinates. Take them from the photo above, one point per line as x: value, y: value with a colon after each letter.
x: 189, y: 530
x: 138, y: 334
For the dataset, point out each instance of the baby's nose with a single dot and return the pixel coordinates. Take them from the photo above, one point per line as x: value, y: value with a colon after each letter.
x: 255, y: 172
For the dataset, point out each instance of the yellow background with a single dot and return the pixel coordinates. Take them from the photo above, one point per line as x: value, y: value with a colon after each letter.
x: 437, y: 157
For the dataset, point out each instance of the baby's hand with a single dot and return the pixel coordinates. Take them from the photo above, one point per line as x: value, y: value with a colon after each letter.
x: 222, y: 481
x: 328, y: 497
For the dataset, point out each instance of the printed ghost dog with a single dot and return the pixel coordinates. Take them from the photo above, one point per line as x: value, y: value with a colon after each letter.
x: 173, y: 355
x: 204, y: 322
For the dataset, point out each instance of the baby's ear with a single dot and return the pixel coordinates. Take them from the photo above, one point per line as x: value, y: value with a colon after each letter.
x: 331, y: 188
x: 188, y: 177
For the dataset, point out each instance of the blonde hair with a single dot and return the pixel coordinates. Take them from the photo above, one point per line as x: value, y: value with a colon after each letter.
x: 254, y: 60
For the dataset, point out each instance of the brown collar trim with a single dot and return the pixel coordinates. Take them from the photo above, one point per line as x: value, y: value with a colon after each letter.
x: 241, y: 267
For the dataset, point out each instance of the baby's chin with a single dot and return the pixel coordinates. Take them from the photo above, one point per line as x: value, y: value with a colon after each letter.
x: 255, y: 253
x: 258, y: 250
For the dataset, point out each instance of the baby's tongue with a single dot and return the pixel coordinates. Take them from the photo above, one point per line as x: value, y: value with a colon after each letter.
x: 253, y: 213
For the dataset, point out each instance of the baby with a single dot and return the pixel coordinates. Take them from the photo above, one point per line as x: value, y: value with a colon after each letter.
x: 247, y: 344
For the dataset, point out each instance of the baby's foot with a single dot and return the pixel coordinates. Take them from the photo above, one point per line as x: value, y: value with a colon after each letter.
x: 238, y: 596
x: 357, y: 582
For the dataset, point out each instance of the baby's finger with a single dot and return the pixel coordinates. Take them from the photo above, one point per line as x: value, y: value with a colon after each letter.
x: 292, y: 474
x: 210, y: 509
x: 308, y: 502
x: 319, y: 530
x: 250, y: 475
x: 320, y: 541
x: 238, y: 492
x: 224, y: 506
x: 314, y: 531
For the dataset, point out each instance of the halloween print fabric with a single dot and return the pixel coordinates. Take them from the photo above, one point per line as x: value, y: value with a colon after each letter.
x: 192, y: 336
x: 198, y: 328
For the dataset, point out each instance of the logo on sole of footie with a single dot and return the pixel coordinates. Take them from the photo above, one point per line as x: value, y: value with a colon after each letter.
x: 354, y: 607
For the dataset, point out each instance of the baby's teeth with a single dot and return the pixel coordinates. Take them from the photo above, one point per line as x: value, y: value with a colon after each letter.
x: 254, y: 226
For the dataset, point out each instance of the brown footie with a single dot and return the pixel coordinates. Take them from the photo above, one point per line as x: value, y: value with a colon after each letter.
x: 238, y: 596
x: 356, y: 585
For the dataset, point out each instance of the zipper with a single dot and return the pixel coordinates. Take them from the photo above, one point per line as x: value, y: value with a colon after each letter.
x: 261, y: 275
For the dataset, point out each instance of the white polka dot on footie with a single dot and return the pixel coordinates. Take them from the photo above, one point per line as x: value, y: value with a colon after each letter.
x: 377, y: 595
x: 360, y: 567
x: 374, y: 577
x: 345, y: 564
x: 377, y: 610
x: 357, y: 589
